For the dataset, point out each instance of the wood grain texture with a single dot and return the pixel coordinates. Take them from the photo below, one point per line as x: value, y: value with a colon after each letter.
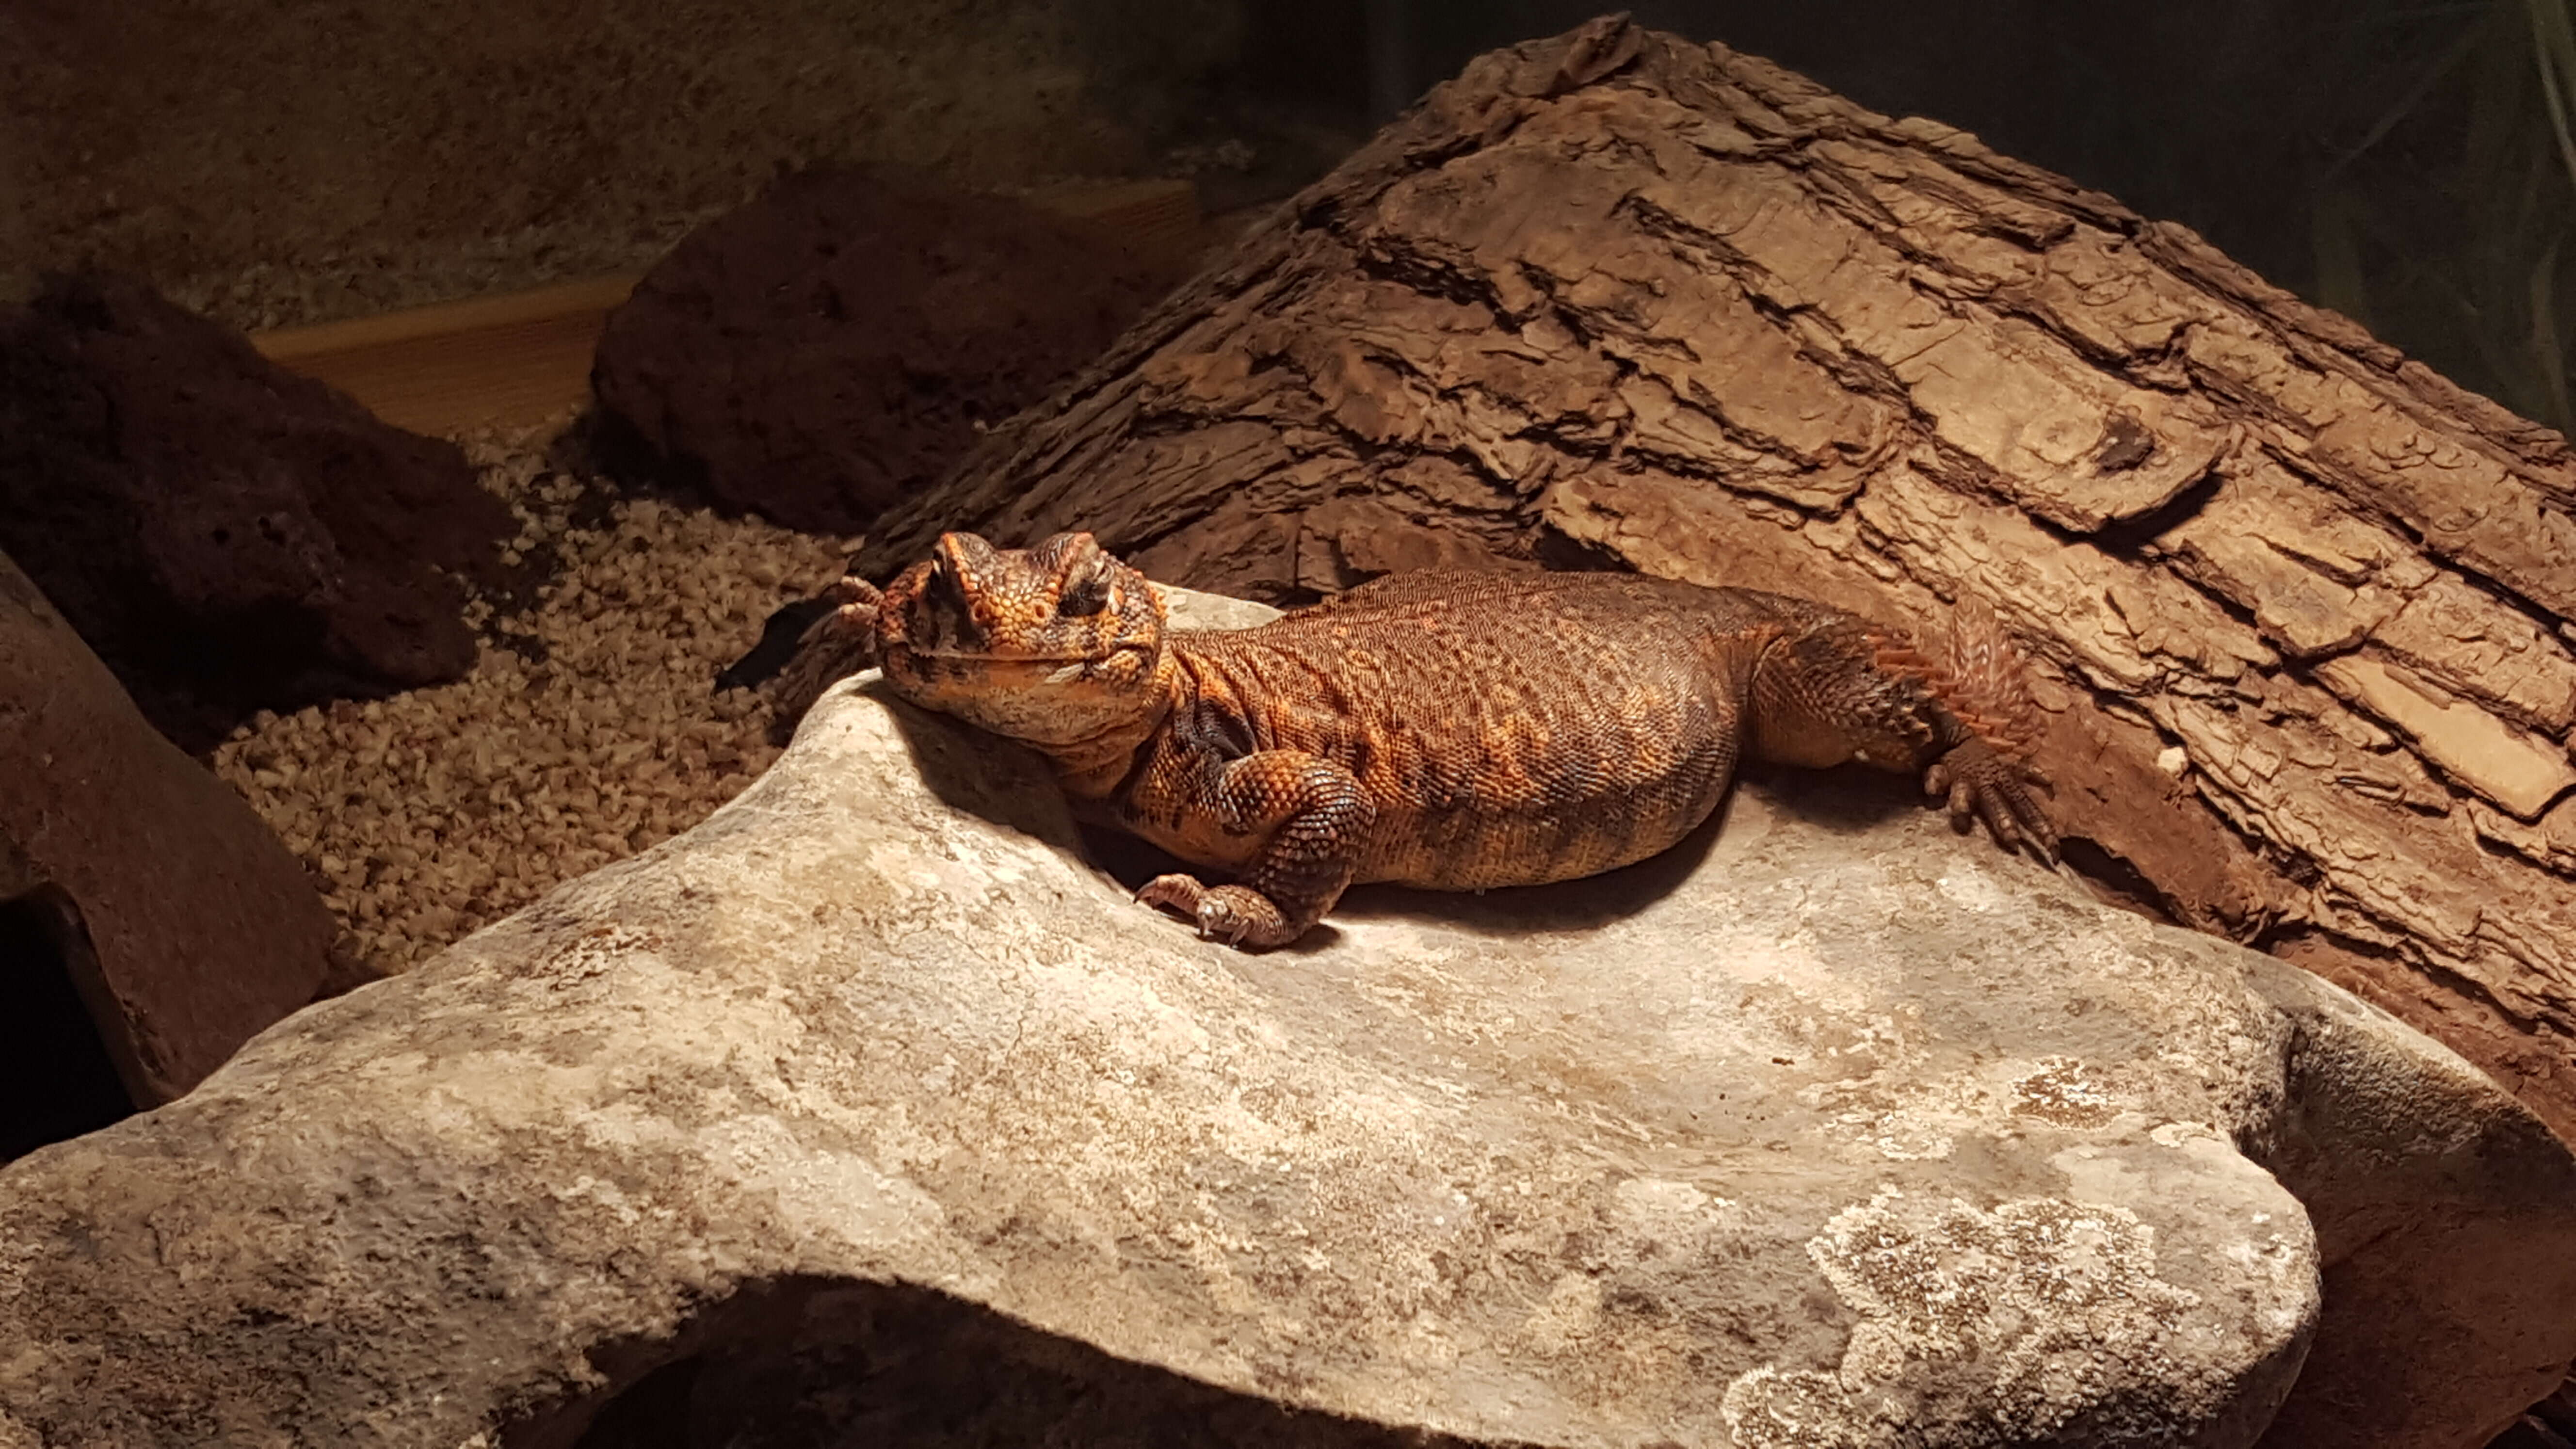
x: 504, y: 360
x: 1617, y: 299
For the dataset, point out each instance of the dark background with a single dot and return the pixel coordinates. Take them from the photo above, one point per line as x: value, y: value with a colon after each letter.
x: 273, y: 162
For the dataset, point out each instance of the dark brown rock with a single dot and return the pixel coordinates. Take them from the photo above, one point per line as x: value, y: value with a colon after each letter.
x: 831, y: 348
x: 226, y: 535
x: 2558, y: 1411
x: 179, y: 921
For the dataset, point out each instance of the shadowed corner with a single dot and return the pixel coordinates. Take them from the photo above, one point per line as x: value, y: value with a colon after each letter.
x: 779, y: 636
x: 59, y: 1076
x: 1583, y: 904
x: 1845, y: 800
x: 815, y: 1361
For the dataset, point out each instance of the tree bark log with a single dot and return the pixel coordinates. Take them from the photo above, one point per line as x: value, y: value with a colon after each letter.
x: 2298, y: 604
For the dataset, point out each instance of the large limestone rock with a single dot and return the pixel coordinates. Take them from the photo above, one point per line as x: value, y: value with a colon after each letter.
x: 868, y: 1113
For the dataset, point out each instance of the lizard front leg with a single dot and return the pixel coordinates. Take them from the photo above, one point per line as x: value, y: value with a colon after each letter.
x: 1313, y: 820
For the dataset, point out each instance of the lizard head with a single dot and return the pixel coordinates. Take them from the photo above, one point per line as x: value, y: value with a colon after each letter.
x: 1056, y: 644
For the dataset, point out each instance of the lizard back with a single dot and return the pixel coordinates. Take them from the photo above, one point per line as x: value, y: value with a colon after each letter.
x: 1512, y: 728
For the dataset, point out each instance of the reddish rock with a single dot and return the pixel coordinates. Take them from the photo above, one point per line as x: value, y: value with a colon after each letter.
x: 831, y: 348
x: 226, y: 535
x: 182, y: 924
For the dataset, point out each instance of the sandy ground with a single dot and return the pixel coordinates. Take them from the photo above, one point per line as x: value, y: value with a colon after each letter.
x: 590, y: 728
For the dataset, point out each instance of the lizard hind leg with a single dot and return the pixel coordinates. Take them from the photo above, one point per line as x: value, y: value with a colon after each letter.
x: 1980, y: 678
x: 1961, y: 716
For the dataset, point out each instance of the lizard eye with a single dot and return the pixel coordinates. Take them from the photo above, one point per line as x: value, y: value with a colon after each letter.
x: 1088, y: 594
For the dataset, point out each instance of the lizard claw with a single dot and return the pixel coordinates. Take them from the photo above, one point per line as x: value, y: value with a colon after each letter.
x: 1236, y: 915
x: 851, y: 589
x: 1983, y: 785
x: 1180, y: 892
x: 839, y: 644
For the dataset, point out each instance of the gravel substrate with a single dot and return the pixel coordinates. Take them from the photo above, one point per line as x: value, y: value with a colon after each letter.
x: 590, y: 728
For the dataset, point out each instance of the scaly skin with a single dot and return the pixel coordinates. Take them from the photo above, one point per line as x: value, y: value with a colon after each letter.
x: 1448, y: 730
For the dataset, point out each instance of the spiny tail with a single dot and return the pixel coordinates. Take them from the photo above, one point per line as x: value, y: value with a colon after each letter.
x: 1977, y: 674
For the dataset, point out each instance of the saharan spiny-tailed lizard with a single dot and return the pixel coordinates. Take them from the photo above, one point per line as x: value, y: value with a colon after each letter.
x: 1448, y: 730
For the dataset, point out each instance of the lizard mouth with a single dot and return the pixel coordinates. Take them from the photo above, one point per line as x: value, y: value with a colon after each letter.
x: 1066, y: 667
x: 992, y: 657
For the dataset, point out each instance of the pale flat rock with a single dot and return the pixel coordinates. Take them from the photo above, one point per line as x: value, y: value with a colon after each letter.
x: 869, y: 1113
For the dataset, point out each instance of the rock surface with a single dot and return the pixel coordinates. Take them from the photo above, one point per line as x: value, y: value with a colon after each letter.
x: 831, y: 348
x: 866, y: 1105
x: 228, y: 536
x: 183, y: 922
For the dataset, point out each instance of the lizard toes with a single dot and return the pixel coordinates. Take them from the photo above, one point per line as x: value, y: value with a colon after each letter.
x: 2043, y: 837
x: 1218, y: 923
x: 850, y: 589
x: 2014, y: 818
x: 1971, y: 802
x: 1230, y: 914
x: 1243, y: 918
x: 2016, y: 822
x: 1982, y: 785
x: 1968, y: 804
x: 1219, y: 920
x: 2000, y: 822
x: 1181, y: 893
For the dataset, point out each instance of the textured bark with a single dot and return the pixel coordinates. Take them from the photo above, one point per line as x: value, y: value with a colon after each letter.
x: 1613, y: 299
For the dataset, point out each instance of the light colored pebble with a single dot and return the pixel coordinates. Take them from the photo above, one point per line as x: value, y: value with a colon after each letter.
x: 433, y: 813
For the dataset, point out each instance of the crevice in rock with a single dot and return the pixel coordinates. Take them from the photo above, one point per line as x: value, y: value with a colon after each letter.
x: 2128, y: 538
x: 2117, y: 881
x: 815, y: 1362
x: 57, y: 1079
